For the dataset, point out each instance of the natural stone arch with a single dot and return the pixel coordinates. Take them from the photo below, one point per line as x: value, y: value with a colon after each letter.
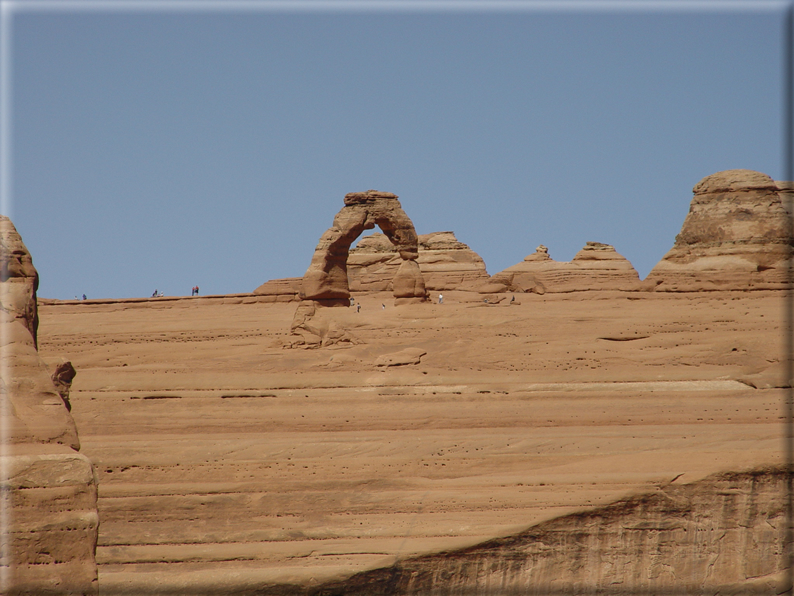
x: 326, y: 280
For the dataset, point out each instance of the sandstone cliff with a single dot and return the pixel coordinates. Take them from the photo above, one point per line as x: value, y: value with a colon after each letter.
x: 49, y: 489
x: 596, y: 267
x: 723, y: 534
x: 735, y: 237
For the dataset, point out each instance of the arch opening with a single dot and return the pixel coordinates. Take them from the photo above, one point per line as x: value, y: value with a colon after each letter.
x: 326, y: 279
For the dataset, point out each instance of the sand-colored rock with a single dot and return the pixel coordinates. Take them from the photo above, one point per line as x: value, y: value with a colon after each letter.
x: 735, y: 236
x: 49, y: 490
x: 401, y: 358
x: 683, y: 539
x: 19, y: 279
x: 597, y: 266
x: 227, y: 462
x: 281, y: 290
x: 35, y: 412
x: 326, y: 279
x: 445, y: 263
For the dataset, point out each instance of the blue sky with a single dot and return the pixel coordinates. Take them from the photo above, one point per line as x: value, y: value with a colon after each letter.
x: 152, y: 148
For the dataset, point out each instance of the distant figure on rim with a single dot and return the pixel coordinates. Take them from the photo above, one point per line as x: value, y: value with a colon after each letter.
x: 440, y: 299
x: 84, y: 297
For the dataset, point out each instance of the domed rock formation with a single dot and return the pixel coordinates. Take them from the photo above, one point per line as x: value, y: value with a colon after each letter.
x: 53, y: 522
x: 735, y: 236
x: 596, y: 267
x: 445, y: 263
x: 326, y: 280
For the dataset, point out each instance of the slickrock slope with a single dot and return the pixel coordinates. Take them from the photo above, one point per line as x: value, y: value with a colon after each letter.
x: 596, y: 267
x: 735, y: 237
x: 723, y: 534
x: 325, y: 281
x: 49, y: 490
x: 229, y: 463
x: 445, y: 263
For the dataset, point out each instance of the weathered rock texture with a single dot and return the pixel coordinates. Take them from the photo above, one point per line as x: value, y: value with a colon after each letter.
x: 445, y: 263
x: 326, y: 280
x: 723, y: 534
x: 281, y: 290
x: 48, y: 489
x: 735, y: 237
x: 596, y: 267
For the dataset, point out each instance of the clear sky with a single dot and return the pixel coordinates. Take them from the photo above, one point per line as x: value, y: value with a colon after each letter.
x: 213, y: 144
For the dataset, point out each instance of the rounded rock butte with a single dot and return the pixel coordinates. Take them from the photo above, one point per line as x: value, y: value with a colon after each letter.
x: 735, y: 236
x: 326, y: 280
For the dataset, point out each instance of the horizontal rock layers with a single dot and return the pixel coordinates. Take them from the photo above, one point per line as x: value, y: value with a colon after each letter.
x: 735, y: 237
x: 49, y: 489
x: 281, y: 290
x: 596, y: 267
x: 326, y: 279
x: 445, y: 263
x: 724, y: 532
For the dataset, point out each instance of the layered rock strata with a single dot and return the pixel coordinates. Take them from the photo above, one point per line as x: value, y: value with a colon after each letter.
x: 596, y: 267
x: 735, y: 237
x: 326, y: 280
x: 49, y: 490
x: 280, y: 290
x: 723, y: 534
x: 445, y: 263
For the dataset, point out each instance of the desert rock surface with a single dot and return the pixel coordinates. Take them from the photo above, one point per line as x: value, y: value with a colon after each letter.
x: 326, y: 279
x: 597, y: 266
x: 229, y: 461
x: 736, y: 236
x: 49, y: 492
x: 445, y: 263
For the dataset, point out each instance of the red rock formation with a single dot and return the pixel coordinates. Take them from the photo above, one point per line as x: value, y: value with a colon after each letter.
x: 326, y: 279
x: 445, y: 263
x: 735, y: 236
x: 51, y: 489
x: 596, y: 267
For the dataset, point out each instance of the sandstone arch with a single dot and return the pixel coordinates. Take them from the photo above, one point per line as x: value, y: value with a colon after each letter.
x: 326, y: 279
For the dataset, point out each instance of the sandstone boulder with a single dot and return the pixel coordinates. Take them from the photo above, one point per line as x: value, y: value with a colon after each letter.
x: 735, y: 236
x: 597, y: 266
x: 326, y: 279
x: 49, y: 490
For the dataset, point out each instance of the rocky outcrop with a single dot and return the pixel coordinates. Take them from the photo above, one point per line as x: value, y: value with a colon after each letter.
x: 326, y: 280
x: 49, y: 489
x: 723, y: 535
x: 281, y: 290
x: 445, y: 263
x: 596, y: 267
x: 735, y: 237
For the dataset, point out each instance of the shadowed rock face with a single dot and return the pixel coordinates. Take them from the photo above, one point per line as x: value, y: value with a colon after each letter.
x: 326, y: 280
x: 735, y: 236
x: 720, y: 535
x: 49, y: 490
x: 597, y: 266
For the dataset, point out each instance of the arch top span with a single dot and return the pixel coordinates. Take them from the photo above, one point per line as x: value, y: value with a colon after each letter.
x: 326, y: 278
